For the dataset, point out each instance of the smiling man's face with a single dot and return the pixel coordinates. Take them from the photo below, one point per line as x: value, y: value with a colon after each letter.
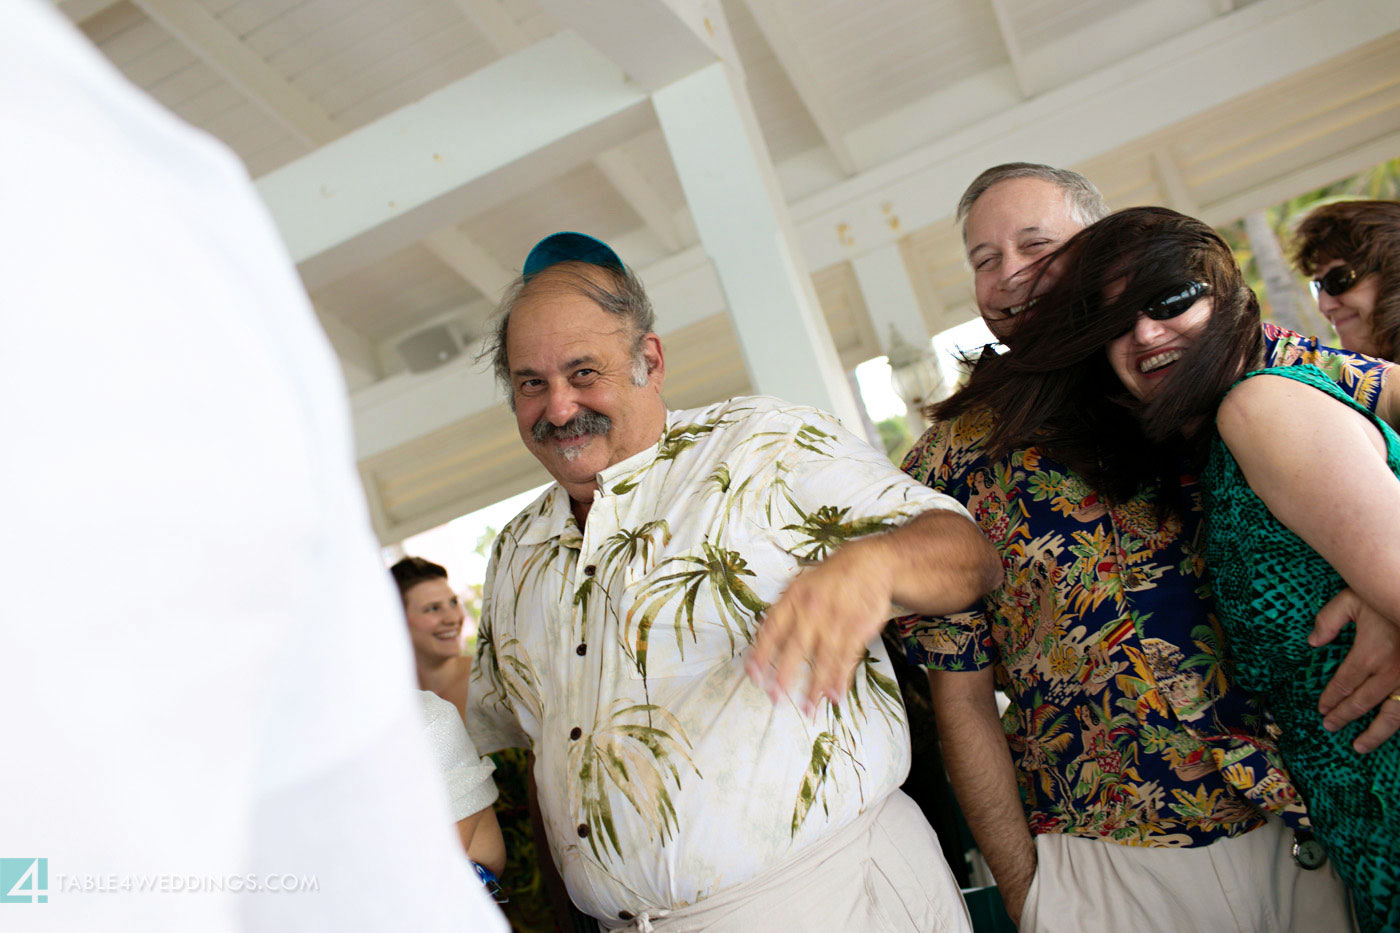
x: 1014, y: 225
x: 587, y: 391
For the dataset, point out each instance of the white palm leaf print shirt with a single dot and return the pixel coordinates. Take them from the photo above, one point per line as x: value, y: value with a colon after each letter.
x: 615, y: 652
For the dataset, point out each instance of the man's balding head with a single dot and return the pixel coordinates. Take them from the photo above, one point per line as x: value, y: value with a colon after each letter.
x: 1083, y: 201
x: 1013, y: 216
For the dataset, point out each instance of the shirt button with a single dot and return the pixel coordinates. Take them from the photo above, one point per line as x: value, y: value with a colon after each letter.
x: 1133, y: 578
x: 583, y: 830
x: 625, y: 915
x: 575, y: 734
x: 590, y: 570
x: 581, y: 650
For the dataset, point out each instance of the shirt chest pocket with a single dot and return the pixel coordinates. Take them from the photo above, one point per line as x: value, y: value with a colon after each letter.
x: 694, y: 609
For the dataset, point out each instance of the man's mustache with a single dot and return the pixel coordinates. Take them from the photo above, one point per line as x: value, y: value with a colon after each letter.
x: 585, y: 422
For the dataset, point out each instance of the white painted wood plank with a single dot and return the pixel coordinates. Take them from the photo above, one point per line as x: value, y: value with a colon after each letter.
x: 476, y: 267
x: 178, y: 88
x: 539, y: 102
x: 802, y: 71
x: 222, y: 51
x: 80, y: 11
x: 1205, y: 67
x: 653, y: 41
x: 744, y: 227
x: 1007, y: 28
x: 131, y: 43
x: 158, y: 64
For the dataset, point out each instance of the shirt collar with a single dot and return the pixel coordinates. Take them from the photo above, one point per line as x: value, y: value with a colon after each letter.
x: 630, y: 471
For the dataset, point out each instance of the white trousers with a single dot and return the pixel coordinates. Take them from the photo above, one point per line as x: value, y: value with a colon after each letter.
x: 1246, y: 883
x: 884, y: 873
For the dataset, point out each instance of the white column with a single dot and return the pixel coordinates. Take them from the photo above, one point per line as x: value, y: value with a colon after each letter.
x: 890, y: 297
x: 744, y: 226
x: 893, y: 306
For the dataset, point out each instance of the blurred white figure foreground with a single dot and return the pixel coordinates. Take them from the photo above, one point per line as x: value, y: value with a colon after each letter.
x: 209, y: 716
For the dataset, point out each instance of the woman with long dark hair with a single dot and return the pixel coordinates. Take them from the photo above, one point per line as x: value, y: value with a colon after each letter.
x: 1141, y: 364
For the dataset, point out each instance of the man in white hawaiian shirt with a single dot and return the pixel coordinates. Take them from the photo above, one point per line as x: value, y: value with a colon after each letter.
x: 621, y: 605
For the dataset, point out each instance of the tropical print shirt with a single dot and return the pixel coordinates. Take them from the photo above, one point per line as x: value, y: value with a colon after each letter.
x: 614, y: 651
x: 1123, y: 724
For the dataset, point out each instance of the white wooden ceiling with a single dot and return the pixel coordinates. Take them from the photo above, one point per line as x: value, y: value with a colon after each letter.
x: 876, y: 113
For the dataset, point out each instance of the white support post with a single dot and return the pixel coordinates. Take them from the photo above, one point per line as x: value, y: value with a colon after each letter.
x: 894, y: 306
x: 740, y: 213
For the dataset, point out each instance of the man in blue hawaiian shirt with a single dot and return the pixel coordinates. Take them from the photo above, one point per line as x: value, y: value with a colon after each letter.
x: 1123, y: 727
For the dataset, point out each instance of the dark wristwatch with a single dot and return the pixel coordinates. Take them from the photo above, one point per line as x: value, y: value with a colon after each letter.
x: 1308, y: 852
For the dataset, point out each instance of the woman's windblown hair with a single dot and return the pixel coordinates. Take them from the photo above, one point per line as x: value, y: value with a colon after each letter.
x: 1054, y: 388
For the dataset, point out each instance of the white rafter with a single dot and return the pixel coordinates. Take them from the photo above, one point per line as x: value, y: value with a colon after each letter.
x: 246, y: 70
x: 505, y: 35
x: 493, y: 21
x: 1169, y: 177
x: 80, y: 11
x: 1214, y: 63
x: 460, y: 150
x: 626, y: 177
x: 217, y: 46
x: 1013, y: 47
x: 655, y: 42
x: 1154, y: 91
x: 476, y: 266
x: 776, y: 28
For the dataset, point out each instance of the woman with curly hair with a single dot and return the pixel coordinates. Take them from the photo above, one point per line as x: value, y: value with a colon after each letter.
x: 1351, y: 252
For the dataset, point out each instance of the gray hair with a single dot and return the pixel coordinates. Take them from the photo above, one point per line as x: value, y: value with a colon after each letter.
x: 1086, y: 204
x: 624, y: 296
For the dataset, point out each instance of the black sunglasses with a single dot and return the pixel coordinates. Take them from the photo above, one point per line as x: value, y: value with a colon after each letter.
x: 1335, y: 281
x: 1176, y: 301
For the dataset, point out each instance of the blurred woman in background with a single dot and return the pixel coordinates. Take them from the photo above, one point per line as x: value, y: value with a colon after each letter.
x: 1351, y: 252
x: 435, y: 627
x: 435, y: 620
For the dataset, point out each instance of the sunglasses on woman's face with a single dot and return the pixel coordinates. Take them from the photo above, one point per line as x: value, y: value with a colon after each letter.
x: 1176, y: 301
x: 1334, y: 281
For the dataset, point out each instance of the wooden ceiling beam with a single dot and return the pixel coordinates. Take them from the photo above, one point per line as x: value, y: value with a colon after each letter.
x: 1013, y: 47
x: 223, y: 51
x: 80, y: 11
x: 777, y: 30
x: 505, y: 35
x: 217, y: 46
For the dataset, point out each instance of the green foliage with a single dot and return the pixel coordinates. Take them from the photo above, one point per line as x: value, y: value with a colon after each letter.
x: 1381, y: 182
x: 528, y: 908
x: 895, y: 435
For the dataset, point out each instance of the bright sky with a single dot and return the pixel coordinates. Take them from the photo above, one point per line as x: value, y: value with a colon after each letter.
x: 454, y: 544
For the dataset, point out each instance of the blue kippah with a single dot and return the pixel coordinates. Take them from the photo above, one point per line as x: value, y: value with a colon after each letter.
x: 570, y: 247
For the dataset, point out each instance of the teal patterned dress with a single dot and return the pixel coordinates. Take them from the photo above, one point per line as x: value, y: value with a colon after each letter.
x: 1268, y: 587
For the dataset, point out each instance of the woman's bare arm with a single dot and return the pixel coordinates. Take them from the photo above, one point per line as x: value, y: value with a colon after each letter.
x: 481, y: 838
x: 1320, y: 468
